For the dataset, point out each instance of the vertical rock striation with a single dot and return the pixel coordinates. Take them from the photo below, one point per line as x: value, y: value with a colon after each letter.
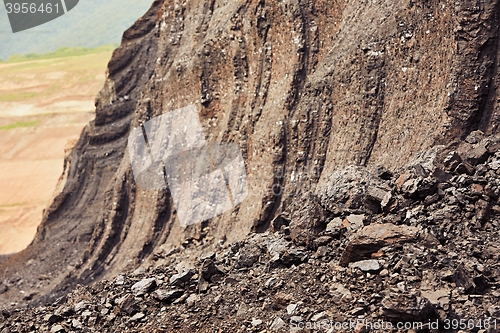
x: 305, y: 88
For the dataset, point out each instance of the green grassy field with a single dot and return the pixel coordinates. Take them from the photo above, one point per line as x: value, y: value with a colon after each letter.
x: 21, y: 96
x: 19, y: 124
x: 62, y: 52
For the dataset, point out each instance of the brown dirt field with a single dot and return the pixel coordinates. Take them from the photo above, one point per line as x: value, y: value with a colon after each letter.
x: 44, y: 106
x: 31, y: 162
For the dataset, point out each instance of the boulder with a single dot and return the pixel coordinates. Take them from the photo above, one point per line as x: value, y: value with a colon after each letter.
x: 353, y: 189
x: 372, y: 238
x: 474, y: 154
x: 408, y: 308
x: 294, y: 255
x: 306, y: 217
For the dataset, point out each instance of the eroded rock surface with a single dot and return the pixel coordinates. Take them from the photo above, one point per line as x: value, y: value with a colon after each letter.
x: 320, y: 96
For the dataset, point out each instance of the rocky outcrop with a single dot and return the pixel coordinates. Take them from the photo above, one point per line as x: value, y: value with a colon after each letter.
x: 306, y: 89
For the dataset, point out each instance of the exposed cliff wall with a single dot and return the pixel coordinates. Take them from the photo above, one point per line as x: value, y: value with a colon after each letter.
x: 307, y: 87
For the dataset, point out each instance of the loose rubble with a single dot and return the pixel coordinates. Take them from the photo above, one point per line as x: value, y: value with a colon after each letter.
x: 424, y: 248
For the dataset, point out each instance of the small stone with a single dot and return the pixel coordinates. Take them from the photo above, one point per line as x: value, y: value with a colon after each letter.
x: 355, y: 222
x: 372, y: 238
x: 203, y: 286
x: 281, y: 300
x: 139, y: 271
x: 56, y: 329
x: 452, y: 160
x: 179, y: 279
x: 144, y: 286
x: 295, y: 255
x: 296, y: 319
x: 209, y: 271
x: 323, y: 240
x: 383, y: 173
x: 323, y: 251
x: 120, y: 280
x: 167, y: 295
x: 462, y: 279
x: 474, y: 137
x: 290, y: 309
x: 357, y: 311
x: 64, y: 311
x: 494, y: 311
x: 335, y: 225
x: 53, y: 318
x: 276, y: 248
x: 439, y: 297
x: 367, y: 265
x: 407, y: 307
x: 207, y: 256
x: 192, y: 299
x: 465, y: 168
x: 256, y: 322
x: 86, y: 313
x: 76, y: 324
x: 477, y: 155
x: 277, y: 324
x: 137, y: 316
x: 243, y: 310
x: 248, y: 256
x: 80, y: 306
x: 319, y: 316
x: 477, y: 188
x: 3, y: 288
x: 340, y: 293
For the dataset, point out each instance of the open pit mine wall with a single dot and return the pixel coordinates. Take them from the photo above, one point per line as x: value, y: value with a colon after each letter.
x: 307, y: 87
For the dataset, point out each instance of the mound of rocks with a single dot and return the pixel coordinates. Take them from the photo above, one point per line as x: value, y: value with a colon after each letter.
x: 420, y: 245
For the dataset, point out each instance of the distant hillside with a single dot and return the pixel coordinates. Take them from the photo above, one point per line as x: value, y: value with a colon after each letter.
x: 91, y: 23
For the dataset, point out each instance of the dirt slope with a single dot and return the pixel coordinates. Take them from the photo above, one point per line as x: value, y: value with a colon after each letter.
x: 305, y: 87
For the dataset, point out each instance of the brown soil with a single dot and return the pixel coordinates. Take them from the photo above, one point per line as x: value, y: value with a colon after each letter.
x: 44, y: 105
x: 31, y: 162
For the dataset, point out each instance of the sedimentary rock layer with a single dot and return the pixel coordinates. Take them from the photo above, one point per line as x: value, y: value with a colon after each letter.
x: 305, y: 88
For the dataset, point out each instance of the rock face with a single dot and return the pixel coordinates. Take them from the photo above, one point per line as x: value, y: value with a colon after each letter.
x: 305, y: 89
